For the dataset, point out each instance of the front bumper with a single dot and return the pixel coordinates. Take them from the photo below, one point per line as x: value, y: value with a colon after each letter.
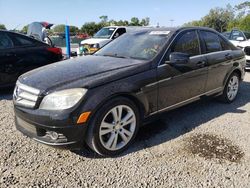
x: 247, y: 63
x: 50, y: 132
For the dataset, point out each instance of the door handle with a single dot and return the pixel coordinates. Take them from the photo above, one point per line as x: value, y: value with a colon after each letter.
x: 201, y: 64
x: 228, y: 56
x: 10, y: 54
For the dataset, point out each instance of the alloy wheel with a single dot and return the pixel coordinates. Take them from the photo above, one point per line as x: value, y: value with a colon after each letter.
x: 117, y: 127
x: 233, y: 87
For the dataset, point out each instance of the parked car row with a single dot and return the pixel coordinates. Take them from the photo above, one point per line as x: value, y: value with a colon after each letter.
x: 242, y: 40
x: 104, y: 98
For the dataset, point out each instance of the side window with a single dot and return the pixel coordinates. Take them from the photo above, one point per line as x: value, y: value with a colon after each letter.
x: 119, y: 32
x: 5, y: 41
x: 188, y: 43
x: 224, y: 44
x: 22, y: 41
x: 212, y: 41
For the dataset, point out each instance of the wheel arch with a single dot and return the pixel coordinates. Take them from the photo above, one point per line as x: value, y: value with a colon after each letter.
x: 138, y: 103
x: 235, y: 70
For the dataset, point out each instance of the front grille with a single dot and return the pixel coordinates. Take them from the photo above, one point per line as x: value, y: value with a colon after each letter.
x: 25, y: 96
x: 247, y: 50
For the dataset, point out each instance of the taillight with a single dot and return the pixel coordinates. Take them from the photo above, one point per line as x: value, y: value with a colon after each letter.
x: 55, y: 50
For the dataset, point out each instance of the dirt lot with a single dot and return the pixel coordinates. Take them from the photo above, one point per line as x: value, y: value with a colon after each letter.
x: 205, y: 144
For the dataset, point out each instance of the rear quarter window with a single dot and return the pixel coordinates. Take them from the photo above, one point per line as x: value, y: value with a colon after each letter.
x: 5, y: 41
x: 22, y: 41
x: 224, y: 44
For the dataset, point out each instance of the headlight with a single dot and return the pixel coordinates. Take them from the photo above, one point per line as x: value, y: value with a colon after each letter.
x: 96, y: 45
x: 62, y: 100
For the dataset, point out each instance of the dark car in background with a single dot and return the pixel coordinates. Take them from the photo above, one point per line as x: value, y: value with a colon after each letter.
x: 19, y: 54
x: 102, y: 99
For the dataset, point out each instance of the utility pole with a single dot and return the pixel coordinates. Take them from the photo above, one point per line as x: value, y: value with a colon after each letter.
x: 172, y: 21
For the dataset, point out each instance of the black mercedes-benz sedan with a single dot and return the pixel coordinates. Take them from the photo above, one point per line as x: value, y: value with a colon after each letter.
x: 103, y: 99
x: 20, y: 54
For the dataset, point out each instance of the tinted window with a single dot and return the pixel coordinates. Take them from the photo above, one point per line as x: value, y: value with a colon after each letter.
x: 212, y: 41
x: 119, y: 32
x: 5, y: 41
x: 224, y: 44
x: 187, y: 43
x: 22, y: 41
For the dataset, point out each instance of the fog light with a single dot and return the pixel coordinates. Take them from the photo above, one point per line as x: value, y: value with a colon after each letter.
x: 54, y: 135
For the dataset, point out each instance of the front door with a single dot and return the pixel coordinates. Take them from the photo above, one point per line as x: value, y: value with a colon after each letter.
x: 182, y: 82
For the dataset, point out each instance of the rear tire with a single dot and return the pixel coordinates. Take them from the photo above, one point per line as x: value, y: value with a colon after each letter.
x: 231, y: 89
x: 113, y: 127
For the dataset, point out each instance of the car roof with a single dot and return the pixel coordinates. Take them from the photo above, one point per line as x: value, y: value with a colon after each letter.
x: 6, y: 31
x: 21, y: 34
x: 170, y: 29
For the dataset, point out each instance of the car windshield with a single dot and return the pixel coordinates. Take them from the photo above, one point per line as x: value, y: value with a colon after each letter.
x: 235, y: 34
x: 141, y: 45
x: 104, y: 33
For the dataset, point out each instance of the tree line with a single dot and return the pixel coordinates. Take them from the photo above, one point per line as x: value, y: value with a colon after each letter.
x: 224, y: 19
x: 91, y: 28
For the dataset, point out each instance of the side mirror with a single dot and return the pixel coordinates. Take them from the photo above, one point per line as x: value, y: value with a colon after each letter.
x: 179, y: 58
x: 240, y: 38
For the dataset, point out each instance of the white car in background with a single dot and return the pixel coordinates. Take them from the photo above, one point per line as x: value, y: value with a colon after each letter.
x: 104, y: 36
x: 240, y: 39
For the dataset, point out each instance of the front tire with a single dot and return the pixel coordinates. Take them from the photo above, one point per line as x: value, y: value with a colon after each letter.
x: 231, y: 89
x: 113, y: 127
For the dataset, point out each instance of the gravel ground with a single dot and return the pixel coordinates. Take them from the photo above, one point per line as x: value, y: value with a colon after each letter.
x: 205, y: 144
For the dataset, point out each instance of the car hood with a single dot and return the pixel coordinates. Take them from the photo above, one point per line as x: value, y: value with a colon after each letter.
x: 87, y: 72
x: 241, y: 43
x: 100, y: 41
x: 244, y: 43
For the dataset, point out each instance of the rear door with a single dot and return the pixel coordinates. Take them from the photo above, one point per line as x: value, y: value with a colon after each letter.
x: 182, y: 82
x: 219, y: 58
x: 8, y: 59
x: 31, y: 53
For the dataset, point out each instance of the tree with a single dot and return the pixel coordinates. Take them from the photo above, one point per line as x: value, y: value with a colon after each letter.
x: 244, y: 23
x: 59, y: 28
x: 145, y: 21
x: 219, y: 18
x: 134, y: 21
x: 2, y: 26
x: 74, y: 29
x: 104, y: 18
x: 24, y: 29
x: 91, y: 28
x: 194, y: 23
x: 243, y: 8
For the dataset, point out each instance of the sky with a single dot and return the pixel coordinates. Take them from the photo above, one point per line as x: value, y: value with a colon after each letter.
x: 17, y: 13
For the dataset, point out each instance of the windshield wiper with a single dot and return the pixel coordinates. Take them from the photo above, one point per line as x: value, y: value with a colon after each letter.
x: 115, y: 55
